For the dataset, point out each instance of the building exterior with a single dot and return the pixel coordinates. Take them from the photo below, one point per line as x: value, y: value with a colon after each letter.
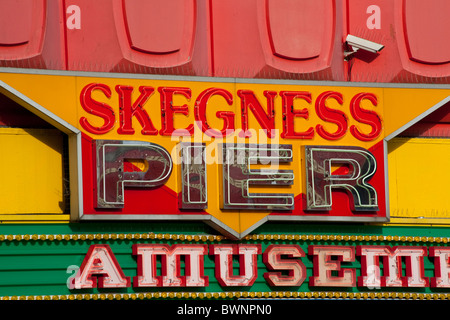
x: 219, y: 150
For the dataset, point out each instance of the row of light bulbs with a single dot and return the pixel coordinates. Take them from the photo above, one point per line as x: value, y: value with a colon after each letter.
x: 241, y: 295
x: 213, y: 238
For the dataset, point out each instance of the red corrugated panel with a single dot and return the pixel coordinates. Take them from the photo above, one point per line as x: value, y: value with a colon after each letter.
x: 159, y: 33
x: 148, y: 36
x: 424, y: 39
x: 276, y: 38
x: 427, y: 30
x: 297, y: 30
x: 373, y: 22
x: 15, y: 22
x: 157, y: 27
x: 415, y: 34
x: 30, y: 34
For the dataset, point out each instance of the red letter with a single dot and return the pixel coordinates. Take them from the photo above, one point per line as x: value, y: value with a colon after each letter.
x: 101, y: 263
x: 99, y: 109
x: 248, y: 265
x: 324, y: 266
x: 111, y: 156
x: 321, y: 180
x: 200, y: 112
x: 127, y: 110
x: 331, y: 115
x: 289, y: 114
x: 392, y: 262
x: 441, y: 257
x: 296, y: 269
x: 266, y: 120
x: 170, y: 265
x: 168, y: 110
x: 365, y: 116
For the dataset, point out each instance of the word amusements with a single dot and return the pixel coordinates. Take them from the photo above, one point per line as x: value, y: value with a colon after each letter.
x: 402, y: 266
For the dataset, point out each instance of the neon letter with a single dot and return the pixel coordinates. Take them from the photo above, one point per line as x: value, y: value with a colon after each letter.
x: 128, y: 110
x: 296, y: 269
x: 392, y: 262
x: 325, y: 113
x: 441, y: 257
x: 238, y: 177
x: 100, y: 263
x: 289, y: 115
x: 266, y: 120
x: 321, y: 180
x: 248, y: 265
x: 96, y: 108
x: 200, y: 112
x: 324, y: 266
x: 194, y: 194
x: 365, y: 116
x: 170, y: 265
x: 112, y: 178
x: 168, y: 110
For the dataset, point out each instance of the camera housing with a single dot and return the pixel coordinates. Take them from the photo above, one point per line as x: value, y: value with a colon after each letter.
x: 356, y: 43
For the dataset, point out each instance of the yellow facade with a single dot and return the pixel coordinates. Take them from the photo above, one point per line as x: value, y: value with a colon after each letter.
x: 418, y: 180
x: 33, y: 183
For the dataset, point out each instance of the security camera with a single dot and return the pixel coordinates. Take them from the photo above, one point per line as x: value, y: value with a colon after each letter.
x: 357, y: 43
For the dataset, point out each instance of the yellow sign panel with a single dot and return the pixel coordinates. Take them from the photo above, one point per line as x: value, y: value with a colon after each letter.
x: 32, y: 173
x: 280, y: 151
x: 419, y: 190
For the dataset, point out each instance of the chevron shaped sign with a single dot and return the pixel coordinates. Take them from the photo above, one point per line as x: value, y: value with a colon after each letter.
x: 233, y: 153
